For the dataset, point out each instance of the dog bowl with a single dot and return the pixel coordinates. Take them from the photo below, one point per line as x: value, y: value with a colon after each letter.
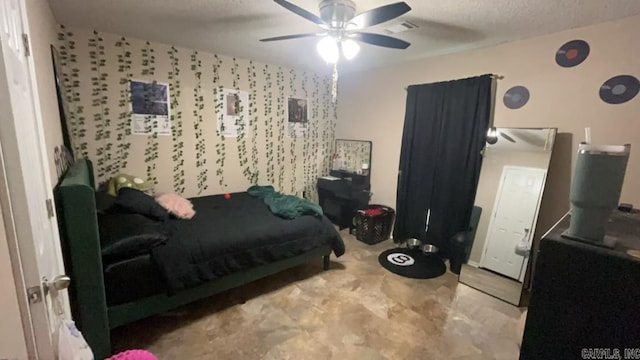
x: 412, y: 243
x: 429, y: 249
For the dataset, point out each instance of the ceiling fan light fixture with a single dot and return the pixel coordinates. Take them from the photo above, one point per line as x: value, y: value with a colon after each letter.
x: 328, y: 49
x: 492, y: 135
x: 338, y: 19
x: 350, y: 48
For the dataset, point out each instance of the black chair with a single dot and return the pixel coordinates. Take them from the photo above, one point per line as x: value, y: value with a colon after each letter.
x: 462, y: 242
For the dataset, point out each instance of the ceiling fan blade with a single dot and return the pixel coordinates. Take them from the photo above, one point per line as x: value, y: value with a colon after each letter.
x: 381, y: 40
x: 380, y: 14
x: 287, y: 37
x: 300, y: 11
x: 507, y: 137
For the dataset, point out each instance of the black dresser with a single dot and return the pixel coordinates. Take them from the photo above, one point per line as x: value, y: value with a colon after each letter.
x: 341, y: 194
x: 585, y: 299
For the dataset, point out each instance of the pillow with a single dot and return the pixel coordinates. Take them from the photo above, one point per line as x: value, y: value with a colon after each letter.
x: 123, y: 236
x: 135, y: 201
x: 176, y: 205
x: 104, y: 201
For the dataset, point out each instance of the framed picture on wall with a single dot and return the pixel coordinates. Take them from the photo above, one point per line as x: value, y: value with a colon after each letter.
x: 233, y: 118
x: 150, y: 108
x: 297, y: 112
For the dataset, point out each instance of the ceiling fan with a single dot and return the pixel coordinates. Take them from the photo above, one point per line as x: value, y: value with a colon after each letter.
x: 506, y: 136
x: 341, y: 27
x: 492, y: 136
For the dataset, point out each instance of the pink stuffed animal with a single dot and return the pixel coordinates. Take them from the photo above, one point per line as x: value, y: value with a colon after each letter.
x: 176, y: 205
x: 133, y: 355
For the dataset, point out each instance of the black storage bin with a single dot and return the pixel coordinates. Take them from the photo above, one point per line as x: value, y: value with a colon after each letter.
x: 372, y: 229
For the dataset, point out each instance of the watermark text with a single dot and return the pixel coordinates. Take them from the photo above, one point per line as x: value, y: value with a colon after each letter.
x: 610, y: 353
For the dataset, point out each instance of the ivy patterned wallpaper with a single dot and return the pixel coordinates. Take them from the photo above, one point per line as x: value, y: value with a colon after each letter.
x: 196, y: 159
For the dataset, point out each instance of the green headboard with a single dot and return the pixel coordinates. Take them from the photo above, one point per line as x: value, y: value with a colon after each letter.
x: 77, y: 217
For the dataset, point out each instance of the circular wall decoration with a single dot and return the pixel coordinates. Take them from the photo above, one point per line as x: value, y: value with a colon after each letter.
x: 516, y: 97
x: 572, y: 53
x: 619, y: 89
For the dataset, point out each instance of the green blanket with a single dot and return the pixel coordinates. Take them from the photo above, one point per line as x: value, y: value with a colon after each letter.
x: 285, y: 206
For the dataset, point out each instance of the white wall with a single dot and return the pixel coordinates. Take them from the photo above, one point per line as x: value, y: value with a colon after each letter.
x: 372, y: 103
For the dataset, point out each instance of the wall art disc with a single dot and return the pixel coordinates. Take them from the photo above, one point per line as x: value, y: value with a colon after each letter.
x: 516, y: 97
x: 619, y: 89
x: 572, y: 53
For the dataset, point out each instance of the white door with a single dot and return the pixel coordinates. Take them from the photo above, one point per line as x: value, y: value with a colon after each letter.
x: 515, y: 210
x: 27, y: 187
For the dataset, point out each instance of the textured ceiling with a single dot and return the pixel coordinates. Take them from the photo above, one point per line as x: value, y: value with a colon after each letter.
x: 233, y: 27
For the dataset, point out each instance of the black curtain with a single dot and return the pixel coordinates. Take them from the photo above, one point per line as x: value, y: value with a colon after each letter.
x: 445, y: 129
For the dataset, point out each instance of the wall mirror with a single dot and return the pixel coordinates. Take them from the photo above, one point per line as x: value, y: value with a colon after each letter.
x: 353, y: 156
x: 510, y: 189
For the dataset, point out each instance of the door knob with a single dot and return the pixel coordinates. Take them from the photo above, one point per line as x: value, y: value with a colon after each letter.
x: 58, y: 283
x: 61, y: 282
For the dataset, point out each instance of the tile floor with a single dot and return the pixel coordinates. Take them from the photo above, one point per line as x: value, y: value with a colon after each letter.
x: 356, y: 310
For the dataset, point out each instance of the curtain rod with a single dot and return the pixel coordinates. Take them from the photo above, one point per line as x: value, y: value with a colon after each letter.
x: 493, y: 76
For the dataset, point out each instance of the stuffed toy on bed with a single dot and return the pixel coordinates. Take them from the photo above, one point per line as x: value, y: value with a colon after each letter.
x: 124, y: 180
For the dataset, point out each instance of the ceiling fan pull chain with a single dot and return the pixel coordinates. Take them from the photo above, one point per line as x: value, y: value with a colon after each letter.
x: 334, y: 85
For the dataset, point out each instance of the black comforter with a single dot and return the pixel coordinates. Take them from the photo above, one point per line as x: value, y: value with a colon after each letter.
x: 226, y: 236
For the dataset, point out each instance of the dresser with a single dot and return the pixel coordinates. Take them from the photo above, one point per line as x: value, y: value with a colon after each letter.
x: 585, y: 299
x: 341, y: 194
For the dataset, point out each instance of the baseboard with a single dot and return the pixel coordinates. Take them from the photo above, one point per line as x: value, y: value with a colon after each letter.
x: 473, y: 263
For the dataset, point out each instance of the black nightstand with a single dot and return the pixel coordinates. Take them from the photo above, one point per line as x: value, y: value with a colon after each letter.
x: 340, y: 198
x: 585, y: 296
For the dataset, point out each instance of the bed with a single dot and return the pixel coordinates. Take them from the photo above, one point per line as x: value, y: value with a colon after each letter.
x: 229, y: 242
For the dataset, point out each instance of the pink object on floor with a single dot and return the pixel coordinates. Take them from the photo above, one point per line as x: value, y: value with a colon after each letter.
x: 133, y: 355
x: 176, y: 205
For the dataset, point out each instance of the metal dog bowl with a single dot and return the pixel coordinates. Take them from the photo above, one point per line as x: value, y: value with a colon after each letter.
x: 429, y: 249
x: 413, y: 243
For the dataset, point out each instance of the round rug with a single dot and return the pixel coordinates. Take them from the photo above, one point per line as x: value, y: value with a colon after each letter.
x: 412, y: 263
